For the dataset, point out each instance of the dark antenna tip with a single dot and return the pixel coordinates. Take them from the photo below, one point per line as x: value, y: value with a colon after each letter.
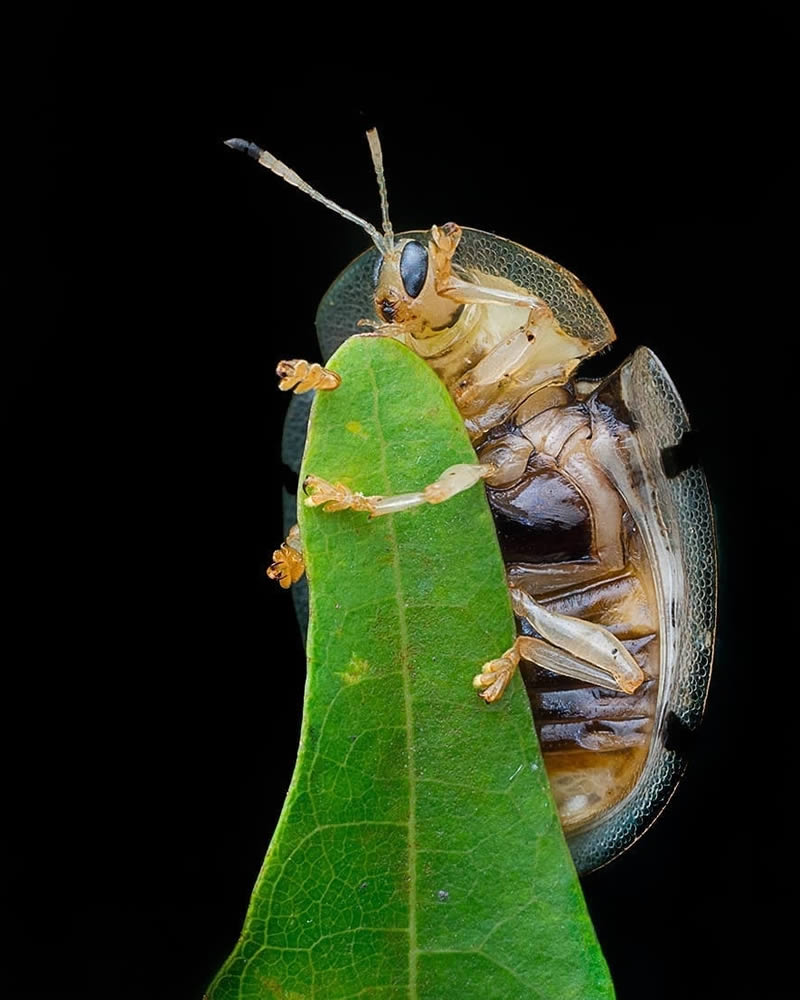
x: 244, y: 147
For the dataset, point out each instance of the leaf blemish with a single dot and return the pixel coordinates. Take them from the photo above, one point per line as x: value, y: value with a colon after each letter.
x: 355, y: 428
x: 443, y: 895
x: 356, y: 670
x: 279, y: 992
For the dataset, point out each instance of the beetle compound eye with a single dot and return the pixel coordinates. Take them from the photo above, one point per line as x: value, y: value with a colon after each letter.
x: 414, y: 267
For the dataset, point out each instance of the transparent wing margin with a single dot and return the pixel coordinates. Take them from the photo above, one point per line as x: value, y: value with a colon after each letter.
x: 679, y: 534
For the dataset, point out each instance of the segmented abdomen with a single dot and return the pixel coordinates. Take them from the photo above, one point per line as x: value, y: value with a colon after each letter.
x: 594, y: 740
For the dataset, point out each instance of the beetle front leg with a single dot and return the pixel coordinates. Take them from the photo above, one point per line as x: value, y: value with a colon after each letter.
x: 445, y: 242
x: 465, y: 292
x: 337, y: 496
x: 288, y: 564
x: 301, y: 376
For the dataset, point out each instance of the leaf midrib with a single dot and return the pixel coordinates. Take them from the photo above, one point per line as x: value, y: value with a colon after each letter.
x: 408, y: 706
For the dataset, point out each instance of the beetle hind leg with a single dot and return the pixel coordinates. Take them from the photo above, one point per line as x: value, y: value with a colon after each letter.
x: 496, y: 675
x: 300, y: 376
x: 568, y: 646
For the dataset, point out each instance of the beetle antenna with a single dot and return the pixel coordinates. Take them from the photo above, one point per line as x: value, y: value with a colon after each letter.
x: 272, y: 163
x: 377, y: 160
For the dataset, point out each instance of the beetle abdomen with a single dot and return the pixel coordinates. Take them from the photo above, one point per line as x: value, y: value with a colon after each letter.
x: 594, y: 740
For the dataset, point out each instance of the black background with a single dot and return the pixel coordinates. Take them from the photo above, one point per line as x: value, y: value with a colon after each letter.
x: 156, y: 676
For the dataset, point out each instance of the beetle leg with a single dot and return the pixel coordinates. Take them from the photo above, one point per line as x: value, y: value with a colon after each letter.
x: 444, y: 243
x: 574, y: 647
x: 495, y: 675
x: 445, y: 240
x: 468, y: 292
x: 287, y: 561
x: 336, y: 496
x: 302, y: 376
x: 570, y: 647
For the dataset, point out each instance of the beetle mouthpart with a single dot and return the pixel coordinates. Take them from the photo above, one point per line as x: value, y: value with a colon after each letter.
x: 387, y: 309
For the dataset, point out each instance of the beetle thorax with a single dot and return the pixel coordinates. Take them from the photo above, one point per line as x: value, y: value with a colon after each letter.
x: 492, y: 358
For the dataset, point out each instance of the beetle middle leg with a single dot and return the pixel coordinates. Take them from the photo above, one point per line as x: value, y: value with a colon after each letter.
x: 337, y: 496
x: 301, y: 376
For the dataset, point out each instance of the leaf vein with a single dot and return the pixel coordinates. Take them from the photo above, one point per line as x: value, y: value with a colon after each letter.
x: 403, y: 638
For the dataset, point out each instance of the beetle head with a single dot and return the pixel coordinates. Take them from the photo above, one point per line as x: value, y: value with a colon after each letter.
x: 405, y: 288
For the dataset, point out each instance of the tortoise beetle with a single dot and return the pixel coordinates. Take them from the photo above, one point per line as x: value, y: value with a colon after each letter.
x: 607, y: 535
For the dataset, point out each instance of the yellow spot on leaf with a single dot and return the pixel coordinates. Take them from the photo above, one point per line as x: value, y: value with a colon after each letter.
x: 355, y: 428
x: 357, y: 670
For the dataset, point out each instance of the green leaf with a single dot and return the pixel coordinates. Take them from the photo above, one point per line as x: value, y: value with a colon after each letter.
x: 419, y: 853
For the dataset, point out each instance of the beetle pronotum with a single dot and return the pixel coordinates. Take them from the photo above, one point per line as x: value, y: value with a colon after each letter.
x: 608, y: 538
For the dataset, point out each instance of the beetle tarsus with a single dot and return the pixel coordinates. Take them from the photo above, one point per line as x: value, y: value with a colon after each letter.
x: 496, y: 675
x: 288, y: 564
x: 300, y: 376
x: 336, y: 496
